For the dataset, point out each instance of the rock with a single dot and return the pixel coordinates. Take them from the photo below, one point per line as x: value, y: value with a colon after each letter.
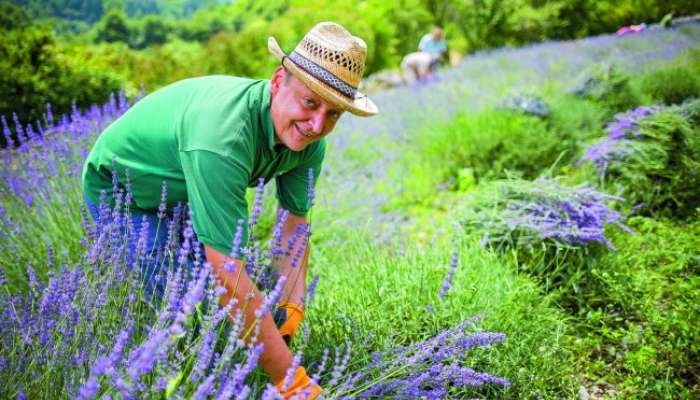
x: 582, y: 393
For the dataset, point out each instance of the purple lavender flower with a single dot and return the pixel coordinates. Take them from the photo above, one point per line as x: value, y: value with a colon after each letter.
x: 237, y: 240
x: 289, y: 377
x: 544, y: 209
x: 143, y: 358
x: 310, y: 187
x: 311, y: 291
x: 276, y: 238
x: 257, y: 204
x: 299, y: 232
x: 162, y: 207
x: 271, y: 298
x: 447, y: 282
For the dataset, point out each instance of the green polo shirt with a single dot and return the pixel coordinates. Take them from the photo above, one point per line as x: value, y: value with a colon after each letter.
x: 208, y: 139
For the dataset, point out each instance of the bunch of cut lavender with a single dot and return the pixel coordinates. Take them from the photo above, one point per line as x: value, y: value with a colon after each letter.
x: 518, y: 212
x: 434, y: 368
x: 651, y: 157
x: 618, y: 144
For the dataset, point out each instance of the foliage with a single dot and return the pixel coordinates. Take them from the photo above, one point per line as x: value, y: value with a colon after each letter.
x: 92, y: 11
x: 633, y: 309
x: 492, y: 142
x: 34, y: 72
x: 12, y: 17
x: 671, y: 85
x: 608, y: 85
x: 405, y: 307
x: 552, y: 229
x: 113, y: 27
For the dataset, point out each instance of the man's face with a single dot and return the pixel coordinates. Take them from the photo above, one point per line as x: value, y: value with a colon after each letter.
x: 299, y: 115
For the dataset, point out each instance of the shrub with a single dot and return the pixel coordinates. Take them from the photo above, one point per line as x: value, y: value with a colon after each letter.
x: 671, y: 85
x: 491, y: 143
x: 641, y: 298
x: 607, y: 85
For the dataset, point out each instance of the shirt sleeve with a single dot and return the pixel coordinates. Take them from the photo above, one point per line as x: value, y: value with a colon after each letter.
x: 423, y: 43
x: 293, y: 186
x: 216, y: 187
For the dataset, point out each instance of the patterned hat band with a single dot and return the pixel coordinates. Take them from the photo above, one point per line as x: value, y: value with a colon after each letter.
x: 323, y: 75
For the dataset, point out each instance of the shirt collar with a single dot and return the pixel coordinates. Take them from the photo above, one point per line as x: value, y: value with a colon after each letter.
x: 266, y: 114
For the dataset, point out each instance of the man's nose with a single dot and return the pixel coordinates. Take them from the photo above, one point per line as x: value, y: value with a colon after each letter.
x: 318, y: 122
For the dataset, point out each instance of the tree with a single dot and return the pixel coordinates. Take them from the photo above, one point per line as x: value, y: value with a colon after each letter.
x: 113, y: 27
x: 154, y: 31
x: 34, y: 72
x: 12, y: 17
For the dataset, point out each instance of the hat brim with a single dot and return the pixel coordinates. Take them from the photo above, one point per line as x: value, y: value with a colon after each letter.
x: 361, y: 105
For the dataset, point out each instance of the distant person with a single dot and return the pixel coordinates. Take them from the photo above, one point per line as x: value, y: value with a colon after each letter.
x: 210, y: 138
x: 434, y: 43
x: 418, y: 67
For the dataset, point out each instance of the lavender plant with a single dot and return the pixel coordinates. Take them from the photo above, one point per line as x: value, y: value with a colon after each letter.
x: 41, y: 208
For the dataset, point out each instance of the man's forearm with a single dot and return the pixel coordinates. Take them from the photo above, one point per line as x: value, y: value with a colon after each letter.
x: 276, y: 357
x: 295, y: 287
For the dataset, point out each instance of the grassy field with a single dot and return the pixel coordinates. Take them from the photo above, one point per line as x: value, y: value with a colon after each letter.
x: 455, y: 202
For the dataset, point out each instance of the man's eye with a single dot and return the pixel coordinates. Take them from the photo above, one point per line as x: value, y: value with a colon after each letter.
x: 335, y: 115
x: 309, y: 103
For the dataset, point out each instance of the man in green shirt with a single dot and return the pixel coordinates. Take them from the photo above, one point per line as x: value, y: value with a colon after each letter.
x: 210, y: 138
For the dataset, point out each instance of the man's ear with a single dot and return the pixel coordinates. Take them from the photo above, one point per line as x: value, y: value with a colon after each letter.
x: 277, y: 79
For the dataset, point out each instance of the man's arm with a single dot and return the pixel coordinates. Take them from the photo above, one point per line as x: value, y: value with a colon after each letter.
x: 276, y: 357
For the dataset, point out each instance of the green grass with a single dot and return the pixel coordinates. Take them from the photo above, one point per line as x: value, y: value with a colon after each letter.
x: 380, y: 297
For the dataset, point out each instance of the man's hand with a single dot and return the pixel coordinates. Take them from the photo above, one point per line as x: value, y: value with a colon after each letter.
x: 301, y: 387
x: 288, y: 317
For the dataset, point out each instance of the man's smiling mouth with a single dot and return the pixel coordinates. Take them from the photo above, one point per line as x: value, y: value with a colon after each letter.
x: 302, y: 132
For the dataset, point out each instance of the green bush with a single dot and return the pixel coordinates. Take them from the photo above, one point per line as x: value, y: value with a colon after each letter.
x: 609, y: 86
x: 492, y: 143
x: 635, y: 308
x: 671, y: 85
x: 34, y: 71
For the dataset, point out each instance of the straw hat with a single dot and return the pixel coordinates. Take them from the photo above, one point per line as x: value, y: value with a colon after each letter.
x: 330, y: 61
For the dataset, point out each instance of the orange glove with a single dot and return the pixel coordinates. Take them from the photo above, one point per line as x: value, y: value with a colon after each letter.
x: 288, y: 317
x: 302, y: 387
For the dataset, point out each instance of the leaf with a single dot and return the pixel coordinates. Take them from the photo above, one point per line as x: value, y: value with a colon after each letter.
x: 173, y: 384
